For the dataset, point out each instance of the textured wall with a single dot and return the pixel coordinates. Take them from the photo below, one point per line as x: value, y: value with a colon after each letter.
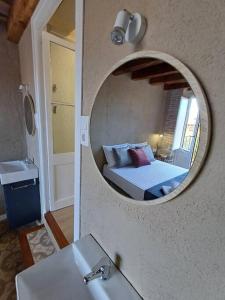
x: 129, y: 111
x: 174, y: 250
x: 12, y: 131
x: 27, y: 77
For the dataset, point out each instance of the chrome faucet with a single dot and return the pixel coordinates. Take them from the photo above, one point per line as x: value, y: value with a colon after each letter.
x: 100, y: 270
x: 28, y: 161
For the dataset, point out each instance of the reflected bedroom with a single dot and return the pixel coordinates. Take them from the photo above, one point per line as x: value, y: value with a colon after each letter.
x: 151, y: 129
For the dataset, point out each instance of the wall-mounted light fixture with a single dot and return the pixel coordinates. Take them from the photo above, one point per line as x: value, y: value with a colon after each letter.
x: 160, y: 136
x: 128, y: 27
x: 24, y: 88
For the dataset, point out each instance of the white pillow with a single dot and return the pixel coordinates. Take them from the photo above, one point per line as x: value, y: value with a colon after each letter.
x: 168, y: 189
x: 109, y: 154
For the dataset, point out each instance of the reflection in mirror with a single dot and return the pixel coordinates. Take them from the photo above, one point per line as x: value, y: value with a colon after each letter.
x: 29, y: 111
x: 145, y: 129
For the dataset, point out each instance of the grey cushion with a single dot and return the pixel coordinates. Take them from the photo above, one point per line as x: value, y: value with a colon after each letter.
x: 109, y: 154
x: 122, y: 156
x: 148, y: 152
x: 138, y: 145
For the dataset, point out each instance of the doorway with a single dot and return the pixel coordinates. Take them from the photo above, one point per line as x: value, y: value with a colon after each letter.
x: 53, y: 12
x: 59, y: 71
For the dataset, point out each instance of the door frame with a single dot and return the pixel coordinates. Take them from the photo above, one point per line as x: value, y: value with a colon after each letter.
x: 47, y: 38
x: 41, y: 16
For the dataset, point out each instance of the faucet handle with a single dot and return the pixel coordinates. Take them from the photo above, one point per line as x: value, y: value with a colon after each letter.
x: 28, y: 161
x: 100, y: 270
x: 104, y: 261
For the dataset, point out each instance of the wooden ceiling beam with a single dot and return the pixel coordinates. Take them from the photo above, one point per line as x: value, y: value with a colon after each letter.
x: 8, y: 1
x: 171, y: 78
x: 153, y: 71
x: 3, y: 19
x: 20, y: 14
x: 175, y: 86
x: 4, y: 8
x: 136, y: 65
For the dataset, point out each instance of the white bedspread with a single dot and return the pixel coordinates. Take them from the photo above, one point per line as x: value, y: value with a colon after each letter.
x: 135, y: 181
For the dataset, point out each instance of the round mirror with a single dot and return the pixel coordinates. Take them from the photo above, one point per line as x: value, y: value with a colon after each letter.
x: 149, y: 127
x: 29, y: 114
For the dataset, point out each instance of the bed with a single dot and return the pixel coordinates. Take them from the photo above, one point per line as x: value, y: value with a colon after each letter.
x: 146, y: 182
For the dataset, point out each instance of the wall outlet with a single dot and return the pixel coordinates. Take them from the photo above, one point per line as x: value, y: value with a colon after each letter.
x: 84, y: 130
x: 36, y: 121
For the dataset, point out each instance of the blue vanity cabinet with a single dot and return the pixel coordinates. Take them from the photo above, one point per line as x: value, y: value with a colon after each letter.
x: 22, y: 200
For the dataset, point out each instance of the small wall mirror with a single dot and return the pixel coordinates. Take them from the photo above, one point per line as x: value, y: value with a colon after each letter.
x: 149, y: 128
x: 29, y: 112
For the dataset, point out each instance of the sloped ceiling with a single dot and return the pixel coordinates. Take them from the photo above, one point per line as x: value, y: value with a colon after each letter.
x: 62, y: 22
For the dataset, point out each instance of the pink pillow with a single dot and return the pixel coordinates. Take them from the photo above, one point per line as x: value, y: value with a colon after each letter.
x: 139, y: 157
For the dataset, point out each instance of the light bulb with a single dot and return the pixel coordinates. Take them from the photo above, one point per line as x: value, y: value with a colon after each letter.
x: 128, y: 28
x: 118, y: 36
x: 120, y: 27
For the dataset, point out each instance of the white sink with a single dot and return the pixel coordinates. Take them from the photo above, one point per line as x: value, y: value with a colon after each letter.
x: 54, y: 278
x: 60, y: 277
x: 15, y: 171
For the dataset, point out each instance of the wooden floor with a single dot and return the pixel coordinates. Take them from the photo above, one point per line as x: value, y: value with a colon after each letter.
x: 64, y: 218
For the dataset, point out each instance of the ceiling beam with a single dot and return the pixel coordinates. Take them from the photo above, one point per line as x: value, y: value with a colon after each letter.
x: 136, y: 65
x: 20, y: 14
x: 153, y: 71
x: 171, y: 78
x: 175, y: 86
x: 3, y: 18
x: 4, y: 8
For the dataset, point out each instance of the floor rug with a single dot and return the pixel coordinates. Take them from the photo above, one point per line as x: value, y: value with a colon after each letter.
x: 40, y: 244
x: 11, y: 261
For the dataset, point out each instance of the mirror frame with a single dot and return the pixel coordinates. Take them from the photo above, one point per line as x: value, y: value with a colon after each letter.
x: 205, y: 121
x: 31, y: 102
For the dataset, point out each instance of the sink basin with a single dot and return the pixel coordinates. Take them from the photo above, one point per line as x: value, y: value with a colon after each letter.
x: 60, y: 276
x: 15, y: 171
x: 56, y: 277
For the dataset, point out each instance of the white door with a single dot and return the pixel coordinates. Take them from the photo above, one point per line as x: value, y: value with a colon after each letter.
x: 59, y: 70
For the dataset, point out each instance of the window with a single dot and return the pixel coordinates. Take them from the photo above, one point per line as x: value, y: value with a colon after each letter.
x: 191, y: 125
x: 187, y: 125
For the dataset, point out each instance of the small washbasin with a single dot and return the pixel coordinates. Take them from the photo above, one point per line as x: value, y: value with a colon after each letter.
x: 54, y: 278
x: 15, y: 171
x: 60, y: 277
